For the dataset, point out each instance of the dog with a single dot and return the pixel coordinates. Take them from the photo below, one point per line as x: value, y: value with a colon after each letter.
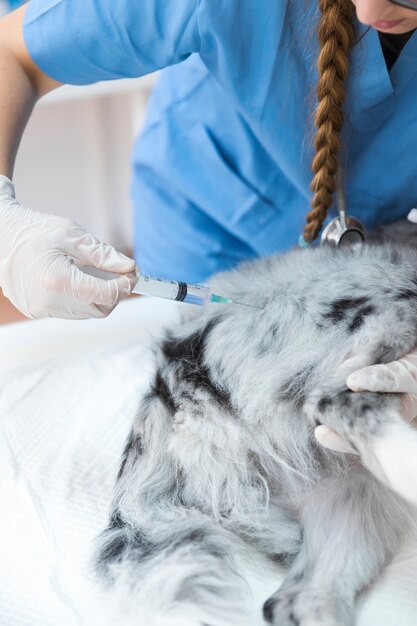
x: 222, y: 457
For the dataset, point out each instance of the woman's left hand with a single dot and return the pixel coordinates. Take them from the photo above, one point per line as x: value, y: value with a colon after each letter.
x: 395, y: 377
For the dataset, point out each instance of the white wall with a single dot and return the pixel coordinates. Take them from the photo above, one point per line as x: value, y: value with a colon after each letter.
x: 74, y: 158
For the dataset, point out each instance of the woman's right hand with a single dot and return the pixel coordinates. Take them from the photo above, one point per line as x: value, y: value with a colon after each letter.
x: 40, y: 260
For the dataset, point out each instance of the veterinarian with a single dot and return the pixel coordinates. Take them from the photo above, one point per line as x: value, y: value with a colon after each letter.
x: 229, y: 161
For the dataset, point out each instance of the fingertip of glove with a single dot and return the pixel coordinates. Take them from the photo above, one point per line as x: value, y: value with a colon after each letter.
x: 412, y: 216
x: 327, y: 438
x: 354, y: 382
x: 374, y: 378
x: 126, y: 266
x: 320, y: 432
x: 120, y: 263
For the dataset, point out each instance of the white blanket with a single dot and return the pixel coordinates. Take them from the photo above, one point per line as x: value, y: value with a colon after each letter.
x: 63, y: 424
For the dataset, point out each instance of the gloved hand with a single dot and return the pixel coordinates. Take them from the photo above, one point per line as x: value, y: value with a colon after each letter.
x: 397, y: 377
x: 40, y: 257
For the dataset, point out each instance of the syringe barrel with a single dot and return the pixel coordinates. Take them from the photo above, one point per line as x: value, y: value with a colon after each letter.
x: 150, y: 286
x: 172, y: 290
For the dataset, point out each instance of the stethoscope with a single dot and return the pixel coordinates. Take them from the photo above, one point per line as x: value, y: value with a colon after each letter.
x: 342, y: 230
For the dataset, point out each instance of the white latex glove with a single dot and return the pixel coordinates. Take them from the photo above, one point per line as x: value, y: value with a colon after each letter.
x: 397, y: 377
x: 40, y: 256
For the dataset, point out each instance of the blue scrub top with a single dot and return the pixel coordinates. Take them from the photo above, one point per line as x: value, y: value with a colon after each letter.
x: 222, y: 172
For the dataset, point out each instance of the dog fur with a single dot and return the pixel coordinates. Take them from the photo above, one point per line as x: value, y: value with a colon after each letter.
x: 222, y: 456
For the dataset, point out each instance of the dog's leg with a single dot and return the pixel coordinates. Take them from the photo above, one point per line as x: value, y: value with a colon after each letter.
x: 352, y: 527
x: 176, y: 569
x: 372, y: 424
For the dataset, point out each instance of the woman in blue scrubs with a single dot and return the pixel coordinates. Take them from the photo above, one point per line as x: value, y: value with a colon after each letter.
x: 222, y: 170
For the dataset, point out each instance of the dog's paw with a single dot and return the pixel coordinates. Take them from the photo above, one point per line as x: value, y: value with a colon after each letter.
x: 356, y: 416
x: 278, y: 609
x: 372, y: 426
x: 307, y: 607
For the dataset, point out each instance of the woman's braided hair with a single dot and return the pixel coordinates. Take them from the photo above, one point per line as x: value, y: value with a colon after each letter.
x: 336, y: 33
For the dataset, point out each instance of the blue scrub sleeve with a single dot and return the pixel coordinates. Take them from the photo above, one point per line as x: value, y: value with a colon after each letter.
x: 84, y: 41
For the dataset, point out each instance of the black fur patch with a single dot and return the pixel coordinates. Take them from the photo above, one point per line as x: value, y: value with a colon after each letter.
x: 359, y: 317
x: 161, y: 390
x: 142, y: 546
x: 133, y: 448
x: 268, y: 610
x: 285, y: 559
x: 112, y: 551
x: 274, y: 331
x: 188, y: 352
x: 119, y: 543
x: 194, y: 537
x: 406, y: 294
x: 339, y: 309
x: 138, y: 546
x: 346, y: 397
x: 324, y: 403
x: 116, y: 520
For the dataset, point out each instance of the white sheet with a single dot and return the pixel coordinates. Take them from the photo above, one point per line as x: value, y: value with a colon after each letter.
x: 62, y: 428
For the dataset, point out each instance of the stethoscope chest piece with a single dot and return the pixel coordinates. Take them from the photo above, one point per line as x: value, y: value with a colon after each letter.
x: 343, y: 231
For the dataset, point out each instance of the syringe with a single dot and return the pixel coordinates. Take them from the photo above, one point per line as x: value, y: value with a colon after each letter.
x: 179, y: 291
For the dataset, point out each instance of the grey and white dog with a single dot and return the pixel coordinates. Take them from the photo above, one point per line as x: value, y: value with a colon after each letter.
x: 222, y: 454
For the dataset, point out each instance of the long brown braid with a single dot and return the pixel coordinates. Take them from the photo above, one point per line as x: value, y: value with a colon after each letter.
x: 336, y: 33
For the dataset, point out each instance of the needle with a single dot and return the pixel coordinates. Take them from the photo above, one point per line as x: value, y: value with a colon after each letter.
x: 254, y: 306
